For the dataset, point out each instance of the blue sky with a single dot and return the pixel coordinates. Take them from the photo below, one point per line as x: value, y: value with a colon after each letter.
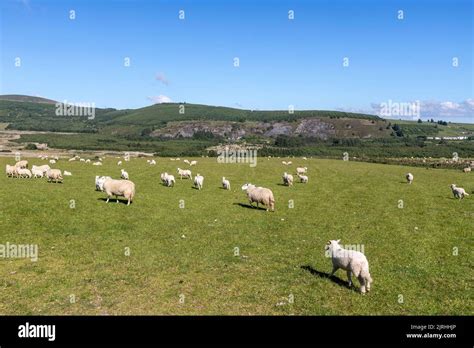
x: 282, y: 62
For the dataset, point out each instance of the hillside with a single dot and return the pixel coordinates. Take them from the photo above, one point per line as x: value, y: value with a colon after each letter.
x: 26, y: 98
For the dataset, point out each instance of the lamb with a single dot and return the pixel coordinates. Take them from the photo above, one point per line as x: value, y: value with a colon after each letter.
x: 66, y: 173
x: 124, y: 174
x: 37, y: 173
x: 225, y: 183
x: 122, y: 188
x: 409, y: 177
x: 458, y: 192
x: 184, y: 173
x: 260, y: 195
x: 198, y: 181
x: 301, y: 170
x: 287, y: 179
x: 167, y: 179
x: 54, y: 174
x: 10, y: 170
x: 99, y: 182
x: 303, y: 178
x: 22, y: 164
x: 352, y: 261
x: 467, y: 170
x: 44, y: 168
x: 23, y: 172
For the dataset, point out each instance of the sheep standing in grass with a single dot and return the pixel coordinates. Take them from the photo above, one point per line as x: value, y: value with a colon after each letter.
x: 66, y: 173
x: 10, y: 170
x: 99, y: 182
x: 287, y: 179
x: 24, y: 173
x: 119, y: 188
x: 409, y: 177
x: 167, y: 179
x: 54, y: 175
x: 225, y: 183
x: 301, y: 170
x: 303, y: 178
x: 186, y: 173
x: 124, y: 174
x: 352, y: 261
x: 119, y: 163
x: 193, y: 163
x: 43, y: 168
x: 22, y: 164
x: 37, y: 173
x: 260, y: 195
x: 198, y: 181
x: 458, y: 192
x: 467, y: 170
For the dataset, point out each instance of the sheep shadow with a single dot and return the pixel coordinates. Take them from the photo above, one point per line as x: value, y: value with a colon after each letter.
x: 334, y: 279
x: 123, y: 201
x: 248, y: 206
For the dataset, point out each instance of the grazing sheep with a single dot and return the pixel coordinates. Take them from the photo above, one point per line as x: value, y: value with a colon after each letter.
x: 23, y: 173
x: 88, y: 161
x: 193, y: 163
x: 54, y: 174
x: 97, y: 163
x: 124, y: 175
x: 119, y: 163
x: 167, y: 179
x: 119, y: 188
x: 72, y: 159
x: 225, y: 183
x: 44, y: 168
x: 52, y: 161
x: 152, y: 162
x: 301, y: 170
x: 458, y: 192
x: 198, y: 181
x: 467, y: 170
x: 82, y: 160
x: 260, y: 195
x: 186, y: 161
x: 37, y: 173
x: 99, y: 182
x: 10, y: 170
x: 409, y: 177
x: 287, y: 179
x: 22, y: 164
x: 186, y: 173
x: 303, y: 178
x: 66, y: 173
x: 352, y: 261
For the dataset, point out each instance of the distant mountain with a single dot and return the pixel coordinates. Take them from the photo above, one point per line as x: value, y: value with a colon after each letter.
x: 26, y: 98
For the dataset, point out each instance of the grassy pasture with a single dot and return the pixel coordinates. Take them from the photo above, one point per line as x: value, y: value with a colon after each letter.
x: 190, y: 251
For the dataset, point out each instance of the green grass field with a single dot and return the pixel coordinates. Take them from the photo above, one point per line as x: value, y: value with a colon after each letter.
x: 183, y: 261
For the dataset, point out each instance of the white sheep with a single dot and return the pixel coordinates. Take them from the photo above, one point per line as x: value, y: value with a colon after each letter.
x: 301, y: 170
x: 52, y: 161
x: 119, y: 188
x: 198, y: 181
x: 10, y: 170
x: 458, y: 192
x: 22, y: 164
x: 72, y: 159
x: 44, y: 168
x: 99, y: 182
x: 260, y: 195
x: 352, y: 261
x: 23, y: 173
x: 186, y: 161
x: 193, y: 163
x: 97, y: 163
x: 409, y: 177
x: 88, y: 161
x: 225, y: 183
x: 467, y: 170
x: 119, y: 163
x: 37, y: 173
x: 124, y: 175
x: 167, y: 179
x: 303, y: 178
x: 54, y: 174
x: 287, y: 179
x: 152, y: 162
x: 82, y: 159
x: 66, y: 173
x: 186, y: 173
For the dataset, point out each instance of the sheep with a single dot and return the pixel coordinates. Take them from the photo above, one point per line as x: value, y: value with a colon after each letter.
x: 44, y: 168
x: 352, y: 261
x: 10, y: 170
x: 88, y: 161
x: 82, y: 160
x: 225, y: 183
x: 301, y: 170
x: 287, y: 179
x: 184, y: 173
x: 97, y: 163
x: 193, y: 163
x: 54, y: 174
x: 37, y: 173
x: 124, y: 174
x: 186, y: 161
x: 467, y: 170
x: 198, y: 181
x: 122, y: 188
x: 409, y: 177
x: 303, y: 178
x: 22, y: 164
x: 458, y: 192
x: 52, y: 161
x: 72, y: 159
x: 66, y: 173
x: 119, y: 163
x: 167, y: 179
x: 152, y: 162
x: 260, y: 195
x: 23, y: 172
x: 99, y: 182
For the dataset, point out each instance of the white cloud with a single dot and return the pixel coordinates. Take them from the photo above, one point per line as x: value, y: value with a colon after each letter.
x: 160, y: 99
x: 162, y: 78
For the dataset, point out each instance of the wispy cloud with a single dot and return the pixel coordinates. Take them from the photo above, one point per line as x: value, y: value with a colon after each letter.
x: 160, y: 99
x: 162, y: 78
